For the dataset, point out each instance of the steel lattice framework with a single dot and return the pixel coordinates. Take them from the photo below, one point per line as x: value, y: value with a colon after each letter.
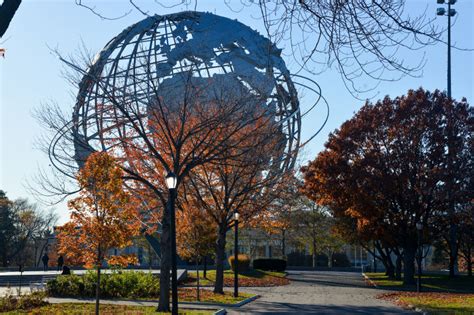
x: 156, y: 57
x: 155, y: 53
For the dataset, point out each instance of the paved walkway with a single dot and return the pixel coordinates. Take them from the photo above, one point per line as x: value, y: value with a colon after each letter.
x: 319, y: 292
x: 310, y: 292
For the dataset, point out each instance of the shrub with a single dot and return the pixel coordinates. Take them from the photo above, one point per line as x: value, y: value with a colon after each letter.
x: 22, y: 302
x: 340, y: 260
x: 70, y: 285
x: 270, y: 264
x: 244, y: 262
x: 118, y: 284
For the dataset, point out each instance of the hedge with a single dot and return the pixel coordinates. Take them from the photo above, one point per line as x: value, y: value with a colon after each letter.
x: 118, y: 284
x: 270, y: 264
x: 244, y: 262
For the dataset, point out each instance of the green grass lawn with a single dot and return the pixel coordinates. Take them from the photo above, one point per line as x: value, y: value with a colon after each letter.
x: 189, y: 294
x: 87, y: 308
x: 206, y: 295
x: 435, y: 283
x: 257, y: 278
x: 442, y: 303
x: 434, y: 302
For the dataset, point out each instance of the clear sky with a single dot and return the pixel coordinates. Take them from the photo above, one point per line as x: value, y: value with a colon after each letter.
x: 30, y: 75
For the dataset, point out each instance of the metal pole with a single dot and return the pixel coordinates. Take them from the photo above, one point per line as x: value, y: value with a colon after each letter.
x: 420, y: 254
x: 355, y: 256
x: 375, y: 259
x: 174, y: 277
x: 236, y: 260
x: 449, y: 49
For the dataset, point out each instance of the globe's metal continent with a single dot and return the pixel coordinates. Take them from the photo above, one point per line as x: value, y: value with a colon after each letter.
x: 161, y: 51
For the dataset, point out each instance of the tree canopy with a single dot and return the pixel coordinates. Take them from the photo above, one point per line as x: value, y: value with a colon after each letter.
x: 387, y: 167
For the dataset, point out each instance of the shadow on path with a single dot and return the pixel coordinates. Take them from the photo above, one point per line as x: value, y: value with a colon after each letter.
x: 290, y: 308
x: 320, y: 292
x: 333, y: 279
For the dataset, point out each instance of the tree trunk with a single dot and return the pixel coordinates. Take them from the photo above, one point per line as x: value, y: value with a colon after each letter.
x: 165, y: 266
x: 453, y: 250
x: 220, y: 259
x: 314, y: 252
x: 386, y: 261
x: 283, y: 244
x: 468, y: 257
x: 398, y: 268
x: 197, y: 282
x: 204, y: 272
x: 97, y: 291
x: 409, y: 264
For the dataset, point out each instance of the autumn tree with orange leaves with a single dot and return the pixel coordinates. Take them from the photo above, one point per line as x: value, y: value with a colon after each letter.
x: 276, y: 219
x: 102, y: 217
x: 244, y: 180
x: 189, y: 136
x: 387, y: 169
x: 184, y: 123
x: 196, y: 236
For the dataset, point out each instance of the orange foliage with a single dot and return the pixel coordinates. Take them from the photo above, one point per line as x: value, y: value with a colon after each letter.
x: 386, y: 169
x: 195, y: 233
x: 102, y: 217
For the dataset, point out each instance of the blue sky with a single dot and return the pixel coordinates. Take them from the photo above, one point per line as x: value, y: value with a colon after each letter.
x: 30, y: 75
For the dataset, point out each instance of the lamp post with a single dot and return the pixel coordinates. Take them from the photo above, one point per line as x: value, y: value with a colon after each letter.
x: 375, y: 259
x: 449, y: 14
x: 419, y: 227
x: 171, y: 182
x: 236, y: 254
x: 453, y: 227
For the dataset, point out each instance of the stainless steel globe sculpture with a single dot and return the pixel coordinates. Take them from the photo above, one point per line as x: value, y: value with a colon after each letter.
x: 166, y: 53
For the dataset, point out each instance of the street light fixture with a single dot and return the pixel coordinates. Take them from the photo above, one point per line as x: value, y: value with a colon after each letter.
x: 449, y: 13
x: 171, y: 183
x: 171, y: 180
x: 419, y: 227
x: 236, y: 254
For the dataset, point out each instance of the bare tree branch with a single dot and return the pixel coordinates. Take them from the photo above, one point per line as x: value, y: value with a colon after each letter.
x: 7, y: 11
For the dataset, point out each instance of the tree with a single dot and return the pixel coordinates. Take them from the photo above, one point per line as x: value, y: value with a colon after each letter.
x: 185, y: 123
x: 311, y: 228
x: 466, y: 243
x: 277, y: 218
x: 196, y: 236
x: 24, y: 229
x: 8, y: 229
x: 459, y: 175
x: 7, y: 11
x: 386, y: 168
x: 102, y: 217
x: 244, y: 179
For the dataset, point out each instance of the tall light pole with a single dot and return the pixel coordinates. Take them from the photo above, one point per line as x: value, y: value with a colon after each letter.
x: 419, y: 228
x: 451, y: 12
x: 453, y: 227
x: 236, y: 254
x: 171, y: 181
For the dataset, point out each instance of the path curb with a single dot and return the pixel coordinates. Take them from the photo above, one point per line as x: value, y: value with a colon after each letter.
x: 239, y: 304
x: 372, y: 283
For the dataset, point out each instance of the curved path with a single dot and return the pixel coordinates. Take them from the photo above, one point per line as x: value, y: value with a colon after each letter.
x: 319, y: 292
